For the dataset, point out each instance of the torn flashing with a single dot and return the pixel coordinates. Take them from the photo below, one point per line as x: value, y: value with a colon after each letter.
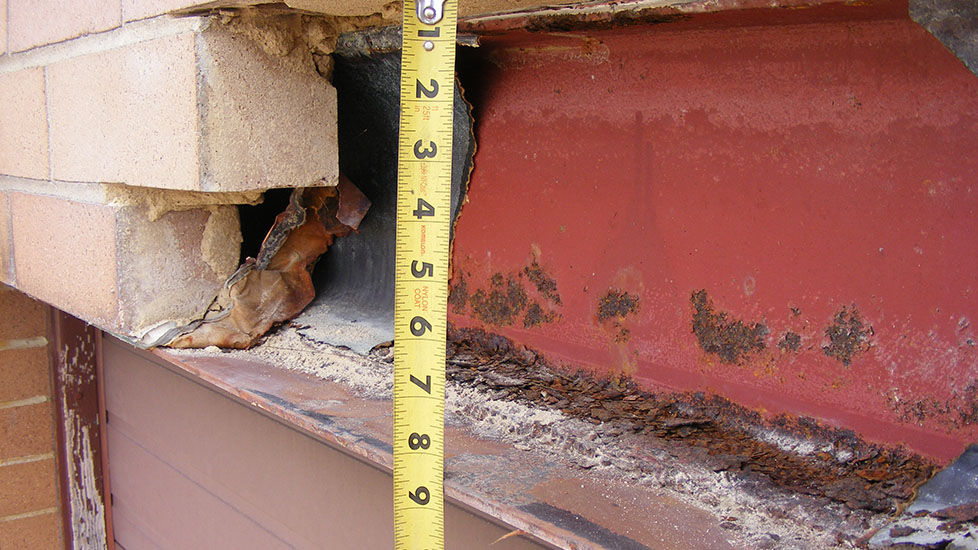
x: 276, y: 285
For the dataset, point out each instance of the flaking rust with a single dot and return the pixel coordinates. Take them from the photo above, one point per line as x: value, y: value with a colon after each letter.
x: 508, y: 300
x: 797, y: 454
x: 502, y: 303
x: 544, y: 283
x: 791, y: 341
x: 614, y: 308
x: 848, y: 335
x: 458, y: 295
x: 730, y: 339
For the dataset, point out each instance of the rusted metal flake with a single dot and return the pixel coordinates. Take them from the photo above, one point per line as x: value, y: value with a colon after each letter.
x: 795, y: 453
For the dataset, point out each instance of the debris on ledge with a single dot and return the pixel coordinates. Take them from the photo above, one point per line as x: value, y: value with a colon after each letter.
x: 786, y: 483
x: 277, y: 285
x: 944, y: 514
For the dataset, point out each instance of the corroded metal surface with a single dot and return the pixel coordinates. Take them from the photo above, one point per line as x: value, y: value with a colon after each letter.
x: 822, y: 462
x: 811, y: 172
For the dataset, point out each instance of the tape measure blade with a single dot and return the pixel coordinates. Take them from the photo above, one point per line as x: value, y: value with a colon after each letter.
x: 421, y: 277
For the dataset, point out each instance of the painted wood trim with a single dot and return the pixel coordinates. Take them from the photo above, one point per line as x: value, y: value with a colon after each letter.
x: 79, y: 414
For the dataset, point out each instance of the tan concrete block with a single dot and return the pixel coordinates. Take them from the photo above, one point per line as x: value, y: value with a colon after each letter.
x: 171, y: 268
x: 22, y: 316
x: 39, y: 22
x: 127, y: 115
x: 269, y: 120
x: 123, y: 268
x: 41, y: 532
x: 3, y: 26
x: 23, y: 124
x: 29, y: 487
x: 24, y: 373
x: 64, y: 254
x: 26, y: 430
x: 139, y: 115
x: 6, y: 263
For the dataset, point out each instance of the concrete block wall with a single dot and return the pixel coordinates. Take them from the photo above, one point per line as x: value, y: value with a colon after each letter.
x: 126, y: 138
x: 30, y: 515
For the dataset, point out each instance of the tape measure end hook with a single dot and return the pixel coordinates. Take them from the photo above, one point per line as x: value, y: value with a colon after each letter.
x: 430, y: 12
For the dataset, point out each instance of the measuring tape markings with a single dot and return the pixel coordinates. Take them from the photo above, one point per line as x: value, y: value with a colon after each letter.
x: 421, y: 272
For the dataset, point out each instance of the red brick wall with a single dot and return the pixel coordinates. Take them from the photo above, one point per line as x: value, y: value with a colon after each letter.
x: 30, y: 514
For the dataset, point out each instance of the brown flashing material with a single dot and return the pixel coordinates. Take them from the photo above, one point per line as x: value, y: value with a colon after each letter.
x: 277, y: 285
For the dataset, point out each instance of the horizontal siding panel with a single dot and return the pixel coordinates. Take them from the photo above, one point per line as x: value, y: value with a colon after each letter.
x: 305, y: 492
x: 165, y: 504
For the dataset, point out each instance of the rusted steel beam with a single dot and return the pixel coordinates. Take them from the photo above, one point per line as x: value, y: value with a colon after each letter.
x: 778, y: 207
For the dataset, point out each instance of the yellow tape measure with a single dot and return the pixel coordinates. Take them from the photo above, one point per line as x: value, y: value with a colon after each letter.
x: 424, y: 219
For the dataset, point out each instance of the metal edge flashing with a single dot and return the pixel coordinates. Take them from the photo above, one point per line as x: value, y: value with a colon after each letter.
x: 345, y: 434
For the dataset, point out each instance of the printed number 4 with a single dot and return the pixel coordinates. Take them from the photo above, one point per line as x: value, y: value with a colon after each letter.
x: 424, y: 209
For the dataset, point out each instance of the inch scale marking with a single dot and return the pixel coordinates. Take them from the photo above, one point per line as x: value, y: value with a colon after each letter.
x: 424, y: 181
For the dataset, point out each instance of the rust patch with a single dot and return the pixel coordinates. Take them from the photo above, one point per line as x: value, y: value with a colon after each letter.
x: 957, y: 411
x: 730, y: 339
x: 508, y: 300
x: 791, y: 341
x: 617, y: 305
x: 968, y: 412
x: 546, y: 285
x: 536, y: 316
x: 838, y: 465
x: 502, y: 303
x: 458, y: 295
x: 848, y: 335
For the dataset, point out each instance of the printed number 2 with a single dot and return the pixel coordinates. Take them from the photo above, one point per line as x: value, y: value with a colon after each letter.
x: 429, y: 93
